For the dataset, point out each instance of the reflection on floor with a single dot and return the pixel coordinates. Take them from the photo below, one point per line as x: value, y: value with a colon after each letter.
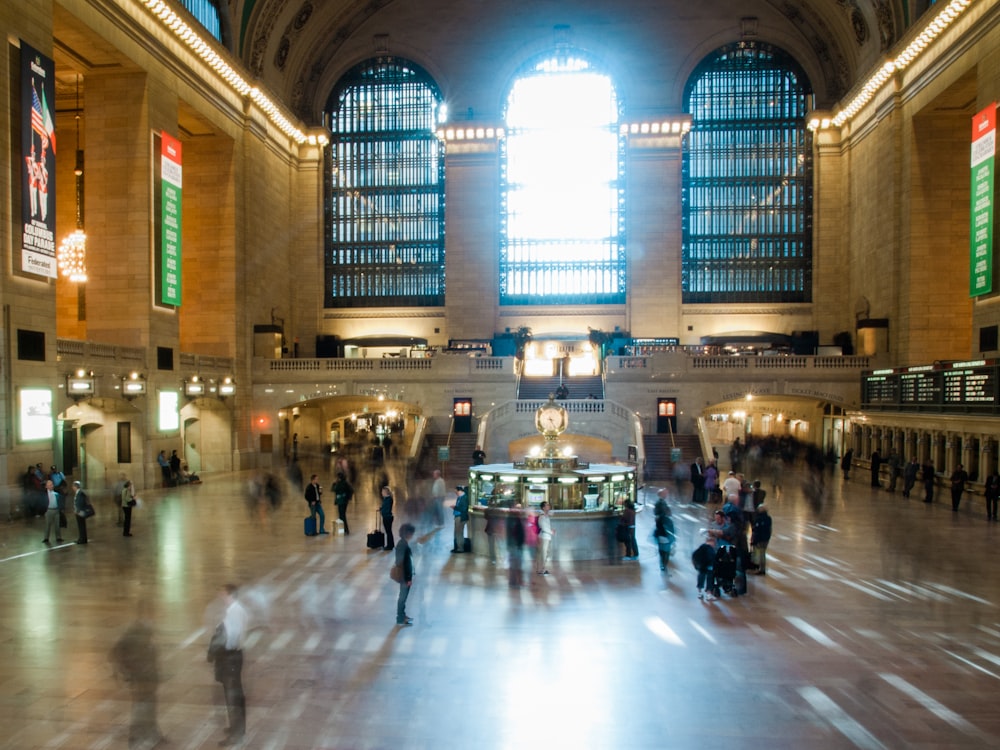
x: 876, y: 627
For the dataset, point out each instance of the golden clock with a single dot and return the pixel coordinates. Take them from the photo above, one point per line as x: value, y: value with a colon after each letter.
x: 551, y: 419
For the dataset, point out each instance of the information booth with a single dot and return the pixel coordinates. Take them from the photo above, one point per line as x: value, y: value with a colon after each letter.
x: 586, y: 499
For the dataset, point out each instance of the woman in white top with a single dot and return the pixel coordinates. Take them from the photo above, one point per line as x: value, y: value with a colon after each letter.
x: 544, y: 539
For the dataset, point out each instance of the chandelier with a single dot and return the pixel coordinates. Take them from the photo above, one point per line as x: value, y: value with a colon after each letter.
x: 71, y: 256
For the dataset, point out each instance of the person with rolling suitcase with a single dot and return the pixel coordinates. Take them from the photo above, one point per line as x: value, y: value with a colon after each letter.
x: 314, y: 497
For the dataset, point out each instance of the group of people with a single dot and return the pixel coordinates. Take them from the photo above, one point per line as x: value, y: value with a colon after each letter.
x: 726, y: 555
x: 913, y: 471
x: 174, y: 471
x: 343, y: 493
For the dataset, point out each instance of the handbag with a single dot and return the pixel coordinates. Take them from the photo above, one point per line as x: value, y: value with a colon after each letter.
x: 63, y: 523
x: 621, y: 533
x: 218, y: 643
x: 396, y: 573
x: 88, y: 511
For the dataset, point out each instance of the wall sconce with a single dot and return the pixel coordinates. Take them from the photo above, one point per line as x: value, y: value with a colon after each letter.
x: 133, y: 385
x: 227, y: 387
x: 194, y: 387
x: 81, y: 384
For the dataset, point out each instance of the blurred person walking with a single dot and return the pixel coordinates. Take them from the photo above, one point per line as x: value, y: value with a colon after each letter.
x: 229, y: 664
x: 135, y: 660
x: 545, y: 533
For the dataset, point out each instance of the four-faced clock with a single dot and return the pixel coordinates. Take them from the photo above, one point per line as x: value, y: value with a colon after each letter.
x: 550, y: 419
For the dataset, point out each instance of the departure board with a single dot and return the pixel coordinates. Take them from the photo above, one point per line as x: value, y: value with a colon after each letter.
x: 954, y: 386
x: 919, y: 387
x: 880, y: 389
x: 972, y: 387
x: 980, y: 387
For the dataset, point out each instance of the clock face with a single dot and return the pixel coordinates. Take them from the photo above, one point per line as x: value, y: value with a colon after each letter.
x: 550, y: 419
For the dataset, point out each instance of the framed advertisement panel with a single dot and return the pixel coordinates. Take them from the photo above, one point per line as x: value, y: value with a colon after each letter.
x: 38, y: 164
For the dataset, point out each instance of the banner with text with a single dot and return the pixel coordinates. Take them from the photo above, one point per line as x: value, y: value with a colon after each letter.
x: 170, y: 220
x: 38, y: 163
x: 984, y: 142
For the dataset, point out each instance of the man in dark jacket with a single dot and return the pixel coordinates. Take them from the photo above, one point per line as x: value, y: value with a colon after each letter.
x: 958, y: 479
x: 404, y: 559
x: 461, y: 514
x: 314, y: 494
x: 760, y: 537
x: 342, y: 494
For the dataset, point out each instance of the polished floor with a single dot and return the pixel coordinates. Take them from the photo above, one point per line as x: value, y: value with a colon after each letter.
x: 877, y: 627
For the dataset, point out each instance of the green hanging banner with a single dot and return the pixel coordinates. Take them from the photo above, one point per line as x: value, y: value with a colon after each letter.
x: 170, y: 221
x: 984, y: 139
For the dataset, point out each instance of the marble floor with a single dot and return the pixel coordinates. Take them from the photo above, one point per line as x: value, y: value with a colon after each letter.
x: 876, y: 627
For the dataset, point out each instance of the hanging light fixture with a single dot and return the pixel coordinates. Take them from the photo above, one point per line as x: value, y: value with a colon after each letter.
x: 72, y: 253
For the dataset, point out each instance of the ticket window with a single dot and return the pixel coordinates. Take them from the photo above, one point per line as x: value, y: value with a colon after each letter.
x: 666, y: 415
x: 462, y: 414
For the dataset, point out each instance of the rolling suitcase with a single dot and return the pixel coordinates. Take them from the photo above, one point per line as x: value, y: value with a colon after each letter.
x: 376, y: 539
x: 309, y: 525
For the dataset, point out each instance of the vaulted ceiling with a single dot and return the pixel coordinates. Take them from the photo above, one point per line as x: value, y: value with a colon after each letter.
x: 473, y: 48
x: 299, y: 48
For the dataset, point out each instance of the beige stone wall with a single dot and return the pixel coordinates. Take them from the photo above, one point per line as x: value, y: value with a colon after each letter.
x: 654, y: 239
x: 471, y: 244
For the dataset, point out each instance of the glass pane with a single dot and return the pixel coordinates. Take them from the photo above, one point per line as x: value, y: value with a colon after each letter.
x: 385, y: 207
x: 562, y: 187
x: 747, y: 180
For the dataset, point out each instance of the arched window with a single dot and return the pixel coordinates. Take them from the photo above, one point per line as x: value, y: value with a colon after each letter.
x: 207, y: 13
x: 562, y: 199
x: 747, y: 180
x: 385, y: 189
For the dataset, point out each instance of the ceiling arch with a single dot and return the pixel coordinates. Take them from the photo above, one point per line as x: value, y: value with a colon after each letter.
x: 298, y: 48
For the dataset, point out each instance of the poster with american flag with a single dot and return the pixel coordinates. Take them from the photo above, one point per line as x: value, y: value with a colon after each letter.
x: 38, y: 157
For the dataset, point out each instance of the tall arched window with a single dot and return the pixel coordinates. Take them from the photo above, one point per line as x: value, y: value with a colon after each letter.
x: 747, y: 180
x: 562, y: 209
x: 385, y: 197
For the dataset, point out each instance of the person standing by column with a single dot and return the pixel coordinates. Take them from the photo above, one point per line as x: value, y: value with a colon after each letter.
x: 404, y: 559
x: 229, y: 665
x: 876, y: 466
x: 927, y: 474
x: 53, y: 507
x: 81, y: 504
x: 910, y: 476
x: 992, y: 491
x: 545, y: 533
x: 958, y: 479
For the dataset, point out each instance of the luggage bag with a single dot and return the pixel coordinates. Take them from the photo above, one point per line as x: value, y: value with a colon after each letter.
x: 376, y: 539
x: 309, y: 525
